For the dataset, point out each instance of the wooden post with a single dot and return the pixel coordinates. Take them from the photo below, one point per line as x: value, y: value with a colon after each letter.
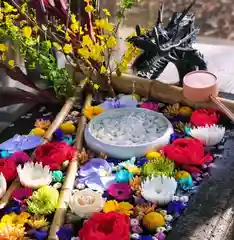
x: 161, y: 91
x: 68, y: 185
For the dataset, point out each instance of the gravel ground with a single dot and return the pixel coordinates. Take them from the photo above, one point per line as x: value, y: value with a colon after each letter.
x: 214, y: 17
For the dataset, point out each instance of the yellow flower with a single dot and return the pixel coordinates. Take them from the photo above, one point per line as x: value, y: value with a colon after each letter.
x: 92, y: 111
x: 27, y: 31
x: 96, y: 86
x: 114, y: 206
x: 81, y: 31
x: 11, y: 63
x: 1, y: 15
x: 35, y: 28
x: 103, y: 69
x: 111, y: 42
x: 84, y: 52
x: 87, y: 41
x: 106, y: 11
x: 67, y: 37
x: 97, y: 53
x: 60, y: 28
x: 8, y: 8
x: 75, y: 27
x: 67, y: 48
x: 104, y: 24
x: 3, y: 57
x: 37, y: 222
x: 13, y: 233
x: 89, y: 8
x: 57, y: 46
x: 3, y: 47
x: 73, y: 18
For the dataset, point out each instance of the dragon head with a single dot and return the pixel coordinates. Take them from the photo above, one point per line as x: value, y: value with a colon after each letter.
x: 163, y: 44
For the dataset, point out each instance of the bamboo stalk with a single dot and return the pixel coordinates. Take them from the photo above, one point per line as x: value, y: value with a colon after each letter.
x: 47, y: 137
x: 160, y: 91
x: 68, y: 185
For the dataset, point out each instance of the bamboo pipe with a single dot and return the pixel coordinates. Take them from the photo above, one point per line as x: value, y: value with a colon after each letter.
x: 161, y: 91
x: 47, y: 137
x: 68, y: 185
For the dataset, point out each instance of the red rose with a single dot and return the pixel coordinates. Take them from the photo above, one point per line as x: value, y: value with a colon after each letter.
x: 53, y: 154
x: 203, y: 117
x: 106, y: 226
x: 8, y: 169
x: 187, y: 152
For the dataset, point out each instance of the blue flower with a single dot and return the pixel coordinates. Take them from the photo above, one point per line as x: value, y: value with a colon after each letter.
x: 65, y: 233
x: 175, y: 207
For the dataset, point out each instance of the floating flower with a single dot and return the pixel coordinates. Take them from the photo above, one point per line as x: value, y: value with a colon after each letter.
x: 153, y: 220
x: 34, y: 175
x: 96, y: 174
x: 53, y: 154
x: 187, y: 152
x: 153, y: 155
x: 175, y: 207
x: 209, y: 135
x: 121, y: 102
x: 150, y: 106
x: 172, y: 110
x: 130, y: 166
x: 37, y: 222
x: 3, y: 185
x: 114, y: 206
x: 159, y: 166
x: 120, y: 191
x: 8, y: 169
x: 42, y: 123
x: 19, y: 157
x: 21, y: 194
x: 203, y: 117
x: 135, y: 184
x: 13, y: 233
x: 68, y: 128
x: 90, y: 112
x: 112, y: 225
x: 123, y: 176
x: 159, y: 189
x: 185, y: 111
x: 43, y: 201
x: 141, y: 210
x: 37, y: 132
x: 86, y: 202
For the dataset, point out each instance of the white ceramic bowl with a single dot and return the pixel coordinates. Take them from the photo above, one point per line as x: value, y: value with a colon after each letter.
x: 125, y: 151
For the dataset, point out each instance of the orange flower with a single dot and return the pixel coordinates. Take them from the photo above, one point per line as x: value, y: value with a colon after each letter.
x: 92, y: 111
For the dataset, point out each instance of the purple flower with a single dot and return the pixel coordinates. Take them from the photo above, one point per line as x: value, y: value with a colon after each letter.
x: 160, y: 236
x: 96, y: 174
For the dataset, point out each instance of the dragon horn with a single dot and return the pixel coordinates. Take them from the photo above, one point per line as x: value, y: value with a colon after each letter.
x: 160, y: 14
x: 186, y: 10
x: 138, y: 30
x: 155, y: 34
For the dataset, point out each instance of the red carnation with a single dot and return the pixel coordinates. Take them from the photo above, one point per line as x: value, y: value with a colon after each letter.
x: 106, y: 226
x: 53, y: 154
x: 187, y: 152
x: 8, y: 169
x: 203, y: 117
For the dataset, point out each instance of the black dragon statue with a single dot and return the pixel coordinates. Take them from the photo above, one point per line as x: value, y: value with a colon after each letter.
x: 173, y: 43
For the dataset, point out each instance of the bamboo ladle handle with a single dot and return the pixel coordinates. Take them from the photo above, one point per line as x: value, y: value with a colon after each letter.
x: 222, y: 107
